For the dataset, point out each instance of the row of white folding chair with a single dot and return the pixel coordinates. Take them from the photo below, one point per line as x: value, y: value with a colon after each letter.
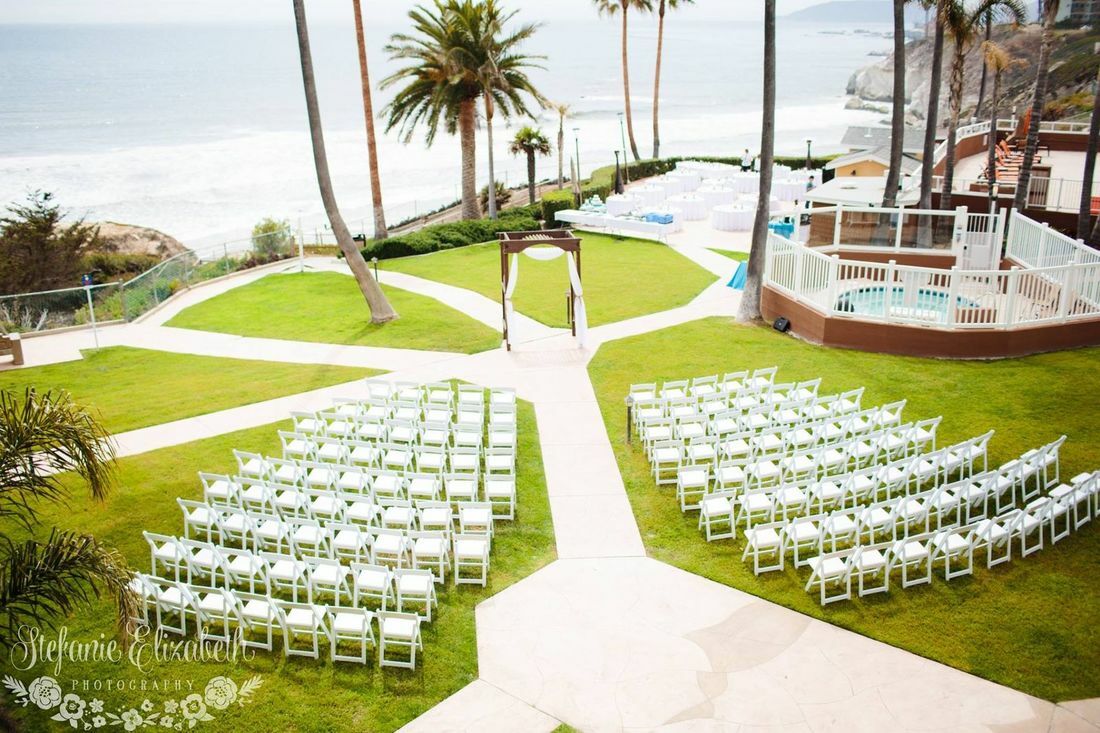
x: 437, y: 391
x: 242, y: 616
x: 729, y: 382
x: 802, y: 402
x: 438, y: 434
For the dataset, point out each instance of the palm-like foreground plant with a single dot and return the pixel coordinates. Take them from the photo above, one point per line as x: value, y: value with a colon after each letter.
x: 43, y: 435
x: 458, y: 53
x: 611, y: 7
x: 530, y: 142
x: 964, y: 23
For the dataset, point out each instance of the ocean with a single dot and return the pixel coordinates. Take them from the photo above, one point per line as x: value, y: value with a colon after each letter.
x: 200, y: 130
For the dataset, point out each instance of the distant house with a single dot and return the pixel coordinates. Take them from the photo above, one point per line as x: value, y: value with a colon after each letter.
x: 871, y: 162
x: 871, y: 138
x: 857, y: 191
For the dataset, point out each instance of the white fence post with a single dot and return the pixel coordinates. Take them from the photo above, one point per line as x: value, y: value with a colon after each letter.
x: 836, y: 226
x: 830, y: 291
x: 1041, y: 255
x: 888, y: 292
x: 1013, y: 284
x: 1067, y: 288
x: 800, y: 256
x: 952, y: 294
x: 901, y: 223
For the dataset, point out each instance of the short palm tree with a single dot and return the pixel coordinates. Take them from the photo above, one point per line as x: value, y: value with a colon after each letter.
x: 380, y: 231
x: 996, y: 61
x: 1048, y: 16
x: 563, y: 111
x: 750, y: 296
x: 964, y: 23
x: 380, y: 309
x: 458, y: 54
x: 611, y: 7
x: 661, y: 9
x: 530, y: 142
x: 41, y: 436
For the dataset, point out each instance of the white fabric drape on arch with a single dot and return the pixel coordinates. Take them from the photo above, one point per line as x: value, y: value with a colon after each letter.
x: 580, y: 315
x: 509, y: 311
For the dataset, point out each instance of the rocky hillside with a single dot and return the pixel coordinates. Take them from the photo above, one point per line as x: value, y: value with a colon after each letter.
x: 127, y: 239
x: 1073, y: 70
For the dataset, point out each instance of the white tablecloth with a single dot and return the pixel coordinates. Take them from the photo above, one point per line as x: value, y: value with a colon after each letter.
x: 671, y: 185
x: 622, y: 224
x: 688, y: 180
x: 732, y: 218
x: 747, y: 182
x: 693, y: 206
x: 650, y: 194
x: 748, y: 201
x: 706, y: 170
x: 787, y: 190
x: 717, y: 195
x: 623, y: 203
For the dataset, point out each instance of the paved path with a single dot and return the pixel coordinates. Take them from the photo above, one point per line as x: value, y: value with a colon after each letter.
x: 604, y: 638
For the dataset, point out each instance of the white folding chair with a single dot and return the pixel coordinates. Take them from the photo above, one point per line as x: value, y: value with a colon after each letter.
x: 400, y: 632
x: 350, y: 625
x: 304, y: 620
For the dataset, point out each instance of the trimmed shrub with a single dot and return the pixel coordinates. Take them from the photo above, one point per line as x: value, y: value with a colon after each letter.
x: 450, y: 235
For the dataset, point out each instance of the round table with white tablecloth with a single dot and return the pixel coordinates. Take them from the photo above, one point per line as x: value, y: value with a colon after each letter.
x: 693, y: 206
x: 732, y: 218
x: 788, y: 190
x: 671, y: 185
x: 688, y: 180
x: 706, y: 169
x: 717, y: 195
x: 618, y: 204
x: 748, y: 201
x: 747, y: 182
x: 649, y: 193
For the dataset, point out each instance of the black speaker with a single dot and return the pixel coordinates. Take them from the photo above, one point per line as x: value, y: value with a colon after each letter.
x: 782, y: 325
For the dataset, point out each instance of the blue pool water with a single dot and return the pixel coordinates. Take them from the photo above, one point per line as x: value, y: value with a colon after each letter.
x: 872, y: 301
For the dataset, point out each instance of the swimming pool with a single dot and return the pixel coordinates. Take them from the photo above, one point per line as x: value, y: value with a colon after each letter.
x: 929, y: 304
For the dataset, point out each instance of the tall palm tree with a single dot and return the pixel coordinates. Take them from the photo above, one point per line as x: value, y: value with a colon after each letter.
x: 380, y: 231
x: 380, y: 309
x: 996, y: 60
x: 1048, y: 15
x: 611, y: 7
x: 450, y: 61
x: 672, y: 5
x: 750, y: 296
x: 563, y: 111
x: 1084, y: 215
x: 964, y: 23
x: 931, y: 119
x: 985, y: 70
x: 42, y: 436
x: 530, y: 142
x: 897, y: 113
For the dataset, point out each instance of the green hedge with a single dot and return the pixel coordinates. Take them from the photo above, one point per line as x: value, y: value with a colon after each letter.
x: 453, y: 234
x: 602, y: 178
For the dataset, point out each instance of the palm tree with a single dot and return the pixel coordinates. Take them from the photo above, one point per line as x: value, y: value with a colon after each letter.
x: 897, y: 113
x: 380, y: 309
x: 672, y: 4
x: 964, y: 23
x: 932, y: 116
x: 42, y: 436
x: 750, y: 297
x: 380, y: 231
x: 1048, y: 15
x: 985, y: 70
x: 530, y: 142
x: 995, y: 59
x: 1084, y: 215
x: 611, y: 7
x: 563, y: 110
x: 453, y: 63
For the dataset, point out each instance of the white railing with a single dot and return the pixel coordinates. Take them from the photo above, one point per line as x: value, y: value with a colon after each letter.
x: 1035, y: 245
x: 1026, y: 295
x: 1052, y: 194
x: 982, y: 128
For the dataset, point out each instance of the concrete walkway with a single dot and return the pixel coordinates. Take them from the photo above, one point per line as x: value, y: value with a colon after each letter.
x: 604, y: 638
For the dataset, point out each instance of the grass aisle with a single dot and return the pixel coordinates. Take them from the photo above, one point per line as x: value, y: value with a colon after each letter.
x: 327, y: 307
x: 623, y: 278
x: 297, y: 694
x: 134, y: 388
x: 1029, y: 624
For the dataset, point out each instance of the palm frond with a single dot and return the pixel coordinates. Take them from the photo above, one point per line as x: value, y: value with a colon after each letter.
x: 41, y: 582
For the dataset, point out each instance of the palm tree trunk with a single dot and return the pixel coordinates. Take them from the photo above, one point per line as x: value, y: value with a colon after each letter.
x: 750, y: 296
x: 1037, y: 101
x: 531, y: 175
x: 380, y: 231
x: 953, y: 124
x: 991, y: 162
x: 933, y: 115
x: 657, y: 79
x: 466, y: 116
x: 897, y: 114
x: 561, y: 151
x: 985, y: 66
x: 1084, y: 216
x: 626, y: 90
x: 492, y: 172
x: 380, y: 309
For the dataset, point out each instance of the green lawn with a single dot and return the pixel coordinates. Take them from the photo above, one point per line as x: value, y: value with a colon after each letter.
x: 328, y: 307
x: 134, y: 388
x: 739, y: 256
x: 1029, y: 624
x: 622, y: 277
x: 300, y: 694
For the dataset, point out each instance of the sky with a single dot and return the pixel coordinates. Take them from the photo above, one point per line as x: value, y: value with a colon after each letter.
x: 276, y: 11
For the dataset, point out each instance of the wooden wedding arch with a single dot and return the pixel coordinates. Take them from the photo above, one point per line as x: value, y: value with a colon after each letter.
x: 512, y: 244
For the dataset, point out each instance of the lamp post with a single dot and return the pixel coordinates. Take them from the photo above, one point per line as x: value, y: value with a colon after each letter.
x: 622, y: 136
x: 374, y: 261
x: 809, y: 156
x: 577, y: 148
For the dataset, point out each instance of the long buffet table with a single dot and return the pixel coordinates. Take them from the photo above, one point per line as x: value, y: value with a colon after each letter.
x: 618, y: 224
